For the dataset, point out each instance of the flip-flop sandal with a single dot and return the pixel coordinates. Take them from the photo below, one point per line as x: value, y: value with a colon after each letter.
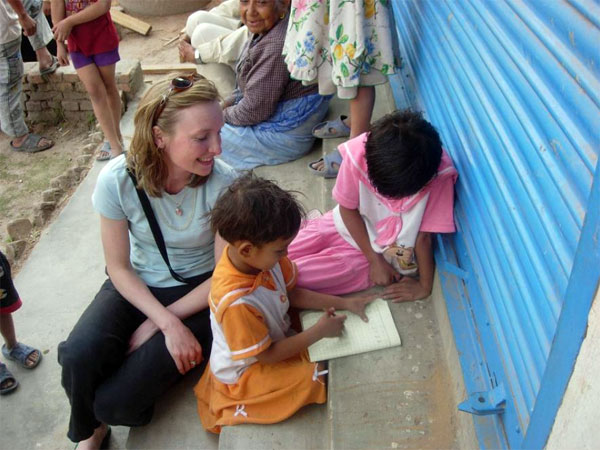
x: 104, y: 154
x: 31, y: 144
x: 329, y: 160
x: 331, y: 129
x: 20, y: 353
x: 51, y: 68
x: 6, y: 377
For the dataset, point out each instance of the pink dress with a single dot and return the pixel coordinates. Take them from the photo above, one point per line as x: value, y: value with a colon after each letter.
x: 327, y: 257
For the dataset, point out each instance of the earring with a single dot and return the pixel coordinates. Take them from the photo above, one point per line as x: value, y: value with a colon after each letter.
x: 282, y: 16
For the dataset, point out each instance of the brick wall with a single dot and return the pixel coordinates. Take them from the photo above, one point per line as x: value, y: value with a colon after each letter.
x: 62, y: 96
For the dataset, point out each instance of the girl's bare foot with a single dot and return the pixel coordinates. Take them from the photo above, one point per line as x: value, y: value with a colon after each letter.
x: 94, y: 442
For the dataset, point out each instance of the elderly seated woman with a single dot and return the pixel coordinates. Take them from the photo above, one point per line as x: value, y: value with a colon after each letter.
x: 269, y: 117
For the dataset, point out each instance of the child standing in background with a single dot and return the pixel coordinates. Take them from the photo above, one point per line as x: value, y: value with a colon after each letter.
x: 394, y: 189
x: 93, y: 44
x: 259, y: 371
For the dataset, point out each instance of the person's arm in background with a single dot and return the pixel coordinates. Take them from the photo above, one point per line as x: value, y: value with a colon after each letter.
x: 62, y: 27
x: 58, y: 13
x: 410, y: 288
x: 28, y: 24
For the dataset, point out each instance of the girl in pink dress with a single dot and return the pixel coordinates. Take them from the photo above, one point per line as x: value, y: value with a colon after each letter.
x: 394, y: 189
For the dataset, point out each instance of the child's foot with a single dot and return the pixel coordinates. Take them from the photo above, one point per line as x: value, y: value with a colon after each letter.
x: 98, y: 440
x: 28, y: 357
x: 8, y: 383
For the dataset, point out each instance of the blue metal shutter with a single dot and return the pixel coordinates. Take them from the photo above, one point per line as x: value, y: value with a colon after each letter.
x: 513, y: 87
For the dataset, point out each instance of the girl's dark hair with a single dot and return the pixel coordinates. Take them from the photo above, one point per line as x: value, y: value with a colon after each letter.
x: 256, y: 210
x: 403, y: 153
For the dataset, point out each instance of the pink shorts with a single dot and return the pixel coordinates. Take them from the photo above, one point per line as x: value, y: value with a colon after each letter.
x: 326, y: 262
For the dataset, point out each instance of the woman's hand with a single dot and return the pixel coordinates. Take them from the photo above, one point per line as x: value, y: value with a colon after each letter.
x: 143, y: 333
x: 183, y: 346
x: 406, y: 290
x: 357, y: 305
x: 381, y: 272
x: 62, y: 54
x: 62, y: 30
x: 331, y: 324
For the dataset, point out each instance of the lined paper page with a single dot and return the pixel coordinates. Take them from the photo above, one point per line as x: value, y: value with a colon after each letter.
x: 358, y: 337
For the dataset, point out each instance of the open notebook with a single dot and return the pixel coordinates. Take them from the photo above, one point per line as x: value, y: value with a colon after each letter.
x: 358, y: 337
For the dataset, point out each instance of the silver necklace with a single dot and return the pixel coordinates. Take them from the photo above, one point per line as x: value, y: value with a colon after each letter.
x: 178, y: 209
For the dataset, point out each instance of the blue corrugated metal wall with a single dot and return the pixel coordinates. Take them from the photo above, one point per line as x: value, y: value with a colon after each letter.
x: 514, y: 89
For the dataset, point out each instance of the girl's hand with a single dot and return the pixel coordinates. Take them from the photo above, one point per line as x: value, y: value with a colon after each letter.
x: 144, y: 332
x: 62, y: 54
x: 331, y: 324
x: 183, y: 346
x: 62, y: 30
x: 381, y: 272
x: 406, y: 290
x: 357, y: 305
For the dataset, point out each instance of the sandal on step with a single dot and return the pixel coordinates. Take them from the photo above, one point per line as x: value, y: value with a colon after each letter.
x: 104, y: 154
x: 51, y: 68
x: 8, y: 383
x: 31, y: 144
x: 20, y: 353
x: 328, y: 160
x: 331, y: 129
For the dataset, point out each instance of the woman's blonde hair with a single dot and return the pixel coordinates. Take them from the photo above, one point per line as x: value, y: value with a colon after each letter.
x: 144, y: 158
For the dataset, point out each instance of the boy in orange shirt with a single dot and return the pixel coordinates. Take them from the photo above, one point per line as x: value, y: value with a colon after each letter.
x: 259, y: 371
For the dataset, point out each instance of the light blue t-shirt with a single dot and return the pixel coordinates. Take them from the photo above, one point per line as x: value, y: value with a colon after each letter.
x: 188, y: 237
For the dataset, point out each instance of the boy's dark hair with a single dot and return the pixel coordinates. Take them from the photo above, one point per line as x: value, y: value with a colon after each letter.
x: 256, y: 210
x: 403, y: 152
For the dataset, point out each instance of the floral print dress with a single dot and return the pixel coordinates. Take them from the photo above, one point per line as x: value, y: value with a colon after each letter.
x: 341, y: 44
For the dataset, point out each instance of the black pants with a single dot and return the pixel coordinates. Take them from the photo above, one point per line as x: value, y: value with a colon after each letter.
x: 104, y: 384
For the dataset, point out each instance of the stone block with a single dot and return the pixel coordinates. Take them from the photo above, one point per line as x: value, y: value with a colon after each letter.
x: 96, y: 137
x: 64, y: 87
x: 48, y: 95
x: 69, y: 75
x: 80, y: 88
x: 89, y: 149
x: 17, y: 248
x: 48, y: 206
x: 70, y: 105
x: 85, y: 105
x: 83, y: 160
x: 19, y: 229
x: 43, y: 116
x: 27, y: 87
x: 74, y: 95
x: 75, y: 116
x: 9, y: 252
x: 34, y: 77
x: 33, y: 105
x: 52, y: 195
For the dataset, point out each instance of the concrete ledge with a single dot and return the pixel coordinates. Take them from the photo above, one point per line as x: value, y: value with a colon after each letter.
x: 466, y: 436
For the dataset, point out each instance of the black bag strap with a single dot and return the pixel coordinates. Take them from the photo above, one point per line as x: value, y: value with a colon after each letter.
x: 158, y: 237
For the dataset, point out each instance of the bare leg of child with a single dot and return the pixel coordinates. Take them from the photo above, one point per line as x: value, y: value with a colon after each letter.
x: 110, y: 82
x: 361, y: 110
x: 92, y: 79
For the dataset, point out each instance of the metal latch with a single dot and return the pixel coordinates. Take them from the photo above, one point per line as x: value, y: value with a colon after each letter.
x: 485, y: 403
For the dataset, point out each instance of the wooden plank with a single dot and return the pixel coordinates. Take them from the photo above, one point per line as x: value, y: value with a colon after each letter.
x: 130, y: 22
x: 154, y: 69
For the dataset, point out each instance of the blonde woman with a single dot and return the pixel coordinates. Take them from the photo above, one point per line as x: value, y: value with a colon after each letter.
x: 148, y: 325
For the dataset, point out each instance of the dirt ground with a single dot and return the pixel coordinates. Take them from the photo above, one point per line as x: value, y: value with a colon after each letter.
x: 23, y: 177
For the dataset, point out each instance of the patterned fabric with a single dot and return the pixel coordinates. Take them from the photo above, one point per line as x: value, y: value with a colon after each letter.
x: 341, y: 44
x: 263, y: 80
